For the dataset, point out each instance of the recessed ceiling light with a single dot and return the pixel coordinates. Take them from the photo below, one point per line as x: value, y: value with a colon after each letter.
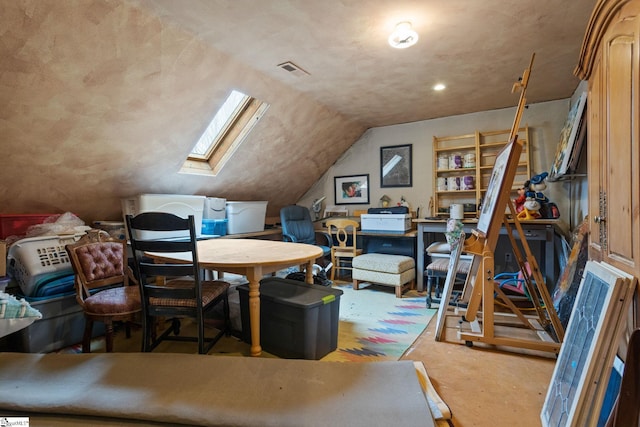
x: 439, y: 86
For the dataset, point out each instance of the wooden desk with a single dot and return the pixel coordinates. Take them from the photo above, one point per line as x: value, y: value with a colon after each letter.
x: 385, y: 242
x: 389, y: 242
x: 267, y: 234
x: 254, y: 258
x: 540, y: 230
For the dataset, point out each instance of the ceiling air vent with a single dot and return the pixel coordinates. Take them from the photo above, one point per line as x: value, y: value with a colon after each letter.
x: 293, y: 69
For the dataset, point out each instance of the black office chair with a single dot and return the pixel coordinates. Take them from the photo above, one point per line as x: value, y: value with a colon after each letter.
x: 297, y: 227
x: 169, y: 289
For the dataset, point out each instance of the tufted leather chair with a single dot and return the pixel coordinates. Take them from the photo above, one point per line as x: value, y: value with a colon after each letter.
x: 102, y: 282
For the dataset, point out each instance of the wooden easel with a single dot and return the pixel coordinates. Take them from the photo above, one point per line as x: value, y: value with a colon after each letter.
x: 482, y: 243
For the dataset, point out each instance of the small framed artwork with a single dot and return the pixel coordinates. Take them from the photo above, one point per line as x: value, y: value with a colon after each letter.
x: 395, y: 166
x: 571, y: 140
x: 352, y: 189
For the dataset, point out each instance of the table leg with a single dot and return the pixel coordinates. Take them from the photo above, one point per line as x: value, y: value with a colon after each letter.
x: 254, y: 275
x: 309, y: 272
x: 420, y: 251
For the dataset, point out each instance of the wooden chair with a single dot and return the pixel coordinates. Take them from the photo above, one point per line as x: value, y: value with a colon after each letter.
x: 105, y: 287
x: 345, y: 250
x: 172, y: 290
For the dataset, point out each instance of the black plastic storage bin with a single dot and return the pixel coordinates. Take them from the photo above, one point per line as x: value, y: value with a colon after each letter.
x: 297, y: 320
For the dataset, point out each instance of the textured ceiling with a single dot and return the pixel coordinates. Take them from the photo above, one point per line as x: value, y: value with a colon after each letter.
x: 103, y: 99
x: 478, y: 48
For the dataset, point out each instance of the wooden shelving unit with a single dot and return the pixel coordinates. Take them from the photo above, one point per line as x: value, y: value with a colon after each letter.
x: 466, y: 162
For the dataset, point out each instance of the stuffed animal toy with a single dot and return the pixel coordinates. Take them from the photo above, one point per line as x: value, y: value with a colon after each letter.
x: 537, y: 184
x: 530, y: 210
x: 519, y: 201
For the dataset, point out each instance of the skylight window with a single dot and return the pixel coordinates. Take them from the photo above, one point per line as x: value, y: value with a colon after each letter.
x: 224, y: 134
x: 220, y: 122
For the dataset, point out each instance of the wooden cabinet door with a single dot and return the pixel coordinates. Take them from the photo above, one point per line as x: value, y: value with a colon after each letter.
x: 617, y: 234
x: 594, y: 161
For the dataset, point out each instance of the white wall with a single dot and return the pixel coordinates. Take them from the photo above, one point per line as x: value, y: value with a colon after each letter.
x: 545, y: 121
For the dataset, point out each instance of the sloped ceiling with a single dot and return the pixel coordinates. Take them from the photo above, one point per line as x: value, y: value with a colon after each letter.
x: 478, y: 48
x: 102, y: 99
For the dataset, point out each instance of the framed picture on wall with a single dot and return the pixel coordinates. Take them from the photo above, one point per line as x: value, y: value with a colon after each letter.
x: 352, y: 189
x: 395, y: 166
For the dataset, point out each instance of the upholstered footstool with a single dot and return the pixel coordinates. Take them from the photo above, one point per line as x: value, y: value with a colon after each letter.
x: 390, y: 270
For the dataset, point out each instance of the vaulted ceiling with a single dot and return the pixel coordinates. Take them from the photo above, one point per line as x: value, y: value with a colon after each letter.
x: 476, y: 48
x: 102, y: 99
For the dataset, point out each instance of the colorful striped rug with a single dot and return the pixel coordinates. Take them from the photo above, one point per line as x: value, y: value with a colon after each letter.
x: 375, y: 325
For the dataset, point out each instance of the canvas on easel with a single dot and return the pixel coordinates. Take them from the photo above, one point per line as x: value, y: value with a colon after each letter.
x: 499, y: 189
x: 482, y: 244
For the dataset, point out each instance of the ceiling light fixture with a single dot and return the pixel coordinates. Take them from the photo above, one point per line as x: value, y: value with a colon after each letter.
x: 403, y: 36
x: 439, y: 87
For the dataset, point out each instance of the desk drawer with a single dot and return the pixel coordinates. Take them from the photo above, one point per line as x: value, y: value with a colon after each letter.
x: 531, y: 232
x: 389, y: 245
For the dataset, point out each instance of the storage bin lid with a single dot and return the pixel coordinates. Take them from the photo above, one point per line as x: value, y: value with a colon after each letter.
x: 295, y: 293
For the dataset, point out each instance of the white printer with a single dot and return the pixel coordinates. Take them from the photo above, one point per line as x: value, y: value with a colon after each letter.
x: 394, y: 219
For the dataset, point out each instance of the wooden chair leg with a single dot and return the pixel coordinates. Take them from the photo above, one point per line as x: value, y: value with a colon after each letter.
x: 148, y: 332
x: 109, y: 336
x: 201, y: 343
x: 86, y: 338
x: 429, y: 290
x: 334, y: 267
x: 227, y: 316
